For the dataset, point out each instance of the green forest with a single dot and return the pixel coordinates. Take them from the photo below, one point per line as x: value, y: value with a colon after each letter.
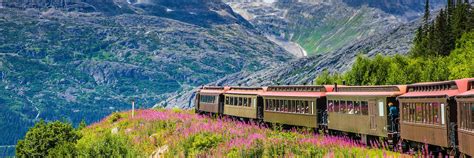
x: 443, y: 49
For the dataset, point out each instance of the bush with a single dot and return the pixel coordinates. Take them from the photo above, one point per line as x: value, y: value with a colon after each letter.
x: 43, y: 137
x: 107, y: 145
x: 201, y: 142
x: 66, y: 150
x: 115, y: 117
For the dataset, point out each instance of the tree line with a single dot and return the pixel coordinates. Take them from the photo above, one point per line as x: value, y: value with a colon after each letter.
x: 443, y: 49
x: 437, y: 37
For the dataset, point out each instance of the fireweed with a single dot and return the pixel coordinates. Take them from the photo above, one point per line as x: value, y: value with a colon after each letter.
x: 184, y: 134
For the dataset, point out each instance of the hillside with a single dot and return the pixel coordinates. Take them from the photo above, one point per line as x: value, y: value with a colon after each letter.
x: 325, y: 26
x: 85, y: 60
x: 171, y: 133
x: 398, y: 40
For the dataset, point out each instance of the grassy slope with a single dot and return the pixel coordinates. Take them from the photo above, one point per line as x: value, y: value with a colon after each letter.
x: 174, y: 132
x: 333, y: 33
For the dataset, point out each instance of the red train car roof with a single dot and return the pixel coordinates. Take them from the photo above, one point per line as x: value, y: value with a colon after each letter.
x: 245, y: 90
x: 213, y: 90
x: 437, y: 89
x: 297, y: 91
x: 469, y: 93
x: 391, y: 90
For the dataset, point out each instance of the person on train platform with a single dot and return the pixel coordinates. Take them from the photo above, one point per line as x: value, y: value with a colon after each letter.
x: 393, y: 113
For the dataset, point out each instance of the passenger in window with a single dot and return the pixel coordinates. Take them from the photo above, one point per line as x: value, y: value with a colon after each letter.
x: 350, y: 107
x: 356, y: 107
x: 343, y: 108
x: 330, y: 106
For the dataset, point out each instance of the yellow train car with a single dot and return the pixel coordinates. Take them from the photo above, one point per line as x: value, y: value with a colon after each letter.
x: 244, y: 102
x: 295, y: 105
x: 362, y: 109
x: 210, y: 100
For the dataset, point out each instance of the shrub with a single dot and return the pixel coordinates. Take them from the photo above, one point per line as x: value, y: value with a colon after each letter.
x: 43, y: 137
x: 201, y: 142
x: 106, y: 145
x: 115, y: 117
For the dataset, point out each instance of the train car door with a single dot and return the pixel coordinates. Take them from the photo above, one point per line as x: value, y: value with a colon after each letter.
x: 373, y: 114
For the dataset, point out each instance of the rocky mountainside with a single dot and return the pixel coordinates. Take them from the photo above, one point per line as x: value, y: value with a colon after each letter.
x: 395, y: 38
x: 323, y: 26
x: 77, y: 60
x: 304, y: 70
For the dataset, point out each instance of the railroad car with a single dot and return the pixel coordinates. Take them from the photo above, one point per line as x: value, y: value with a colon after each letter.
x: 466, y: 120
x: 428, y: 114
x: 244, y: 102
x: 210, y: 100
x: 362, y: 110
x: 295, y: 105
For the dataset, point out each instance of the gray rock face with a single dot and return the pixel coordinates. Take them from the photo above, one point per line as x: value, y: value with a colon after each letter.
x: 57, y: 63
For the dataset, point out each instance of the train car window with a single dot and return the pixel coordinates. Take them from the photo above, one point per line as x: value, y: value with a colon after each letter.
x: 381, y: 108
x: 472, y: 116
x: 442, y: 114
x: 293, y: 106
x: 356, y: 107
x: 418, y: 113
x: 336, y: 106
x: 266, y: 104
x: 306, y: 108
x: 343, y: 108
x: 269, y: 104
x: 275, y: 105
x: 436, y: 113
x: 404, y: 112
x: 425, y: 113
x: 429, y: 113
x: 298, y: 104
x: 463, y: 115
x: 244, y: 101
x: 364, y: 107
x: 330, y: 106
x: 226, y: 100
x: 208, y: 99
x: 350, y: 107
x: 253, y: 102
x: 239, y: 101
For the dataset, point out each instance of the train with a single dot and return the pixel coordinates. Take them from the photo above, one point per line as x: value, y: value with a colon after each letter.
x: 438, y: 116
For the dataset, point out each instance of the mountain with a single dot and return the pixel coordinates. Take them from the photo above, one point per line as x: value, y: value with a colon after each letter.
x: 304, y: 70
x: 323, y: 26
x: 75, y: 60
x: 368, y: 31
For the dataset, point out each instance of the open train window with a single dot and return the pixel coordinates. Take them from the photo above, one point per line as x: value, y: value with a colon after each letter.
x: 350, y: 107
x: 364, y: 106
x: 336, y: 106
x: 405, y: 111
x: 342, y: 105
x: 356, y: 107
x: 418, y: 113
x: 330, y: 106
x: 472, y: 116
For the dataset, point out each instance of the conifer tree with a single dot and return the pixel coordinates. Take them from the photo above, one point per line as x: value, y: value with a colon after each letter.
x: 427, y: 15
x: 441, y: 35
